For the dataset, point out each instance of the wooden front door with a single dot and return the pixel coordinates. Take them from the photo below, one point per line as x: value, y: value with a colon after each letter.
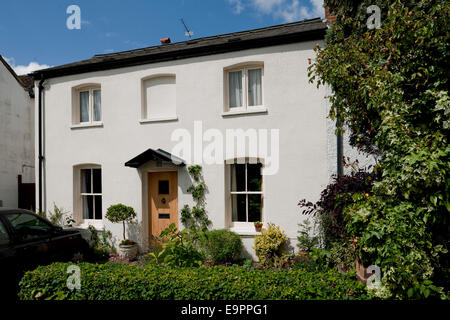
x: 162, y: 201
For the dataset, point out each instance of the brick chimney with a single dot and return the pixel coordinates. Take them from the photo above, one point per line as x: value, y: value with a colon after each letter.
x: 165, y: 40
x: 328, y: 16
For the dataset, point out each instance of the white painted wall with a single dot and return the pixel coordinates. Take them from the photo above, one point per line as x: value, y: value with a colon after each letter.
x: 16, y: 137
x: 295, y: 107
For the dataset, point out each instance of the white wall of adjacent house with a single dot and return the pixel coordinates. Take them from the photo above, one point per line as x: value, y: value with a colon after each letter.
x: 293, y: 105
x: 16, y: 137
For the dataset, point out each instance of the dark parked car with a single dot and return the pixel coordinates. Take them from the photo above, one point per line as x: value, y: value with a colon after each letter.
x: 28, y: 240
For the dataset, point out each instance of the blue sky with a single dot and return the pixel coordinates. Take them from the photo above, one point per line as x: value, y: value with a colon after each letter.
x: 33, y: 34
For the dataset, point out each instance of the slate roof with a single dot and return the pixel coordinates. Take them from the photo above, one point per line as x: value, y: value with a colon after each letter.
x: 305, y: 30
x: 27, y: 81
x: 151, y: 154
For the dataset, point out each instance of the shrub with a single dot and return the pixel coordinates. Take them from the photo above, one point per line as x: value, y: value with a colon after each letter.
x: 221, y: 246
x: 59, y: 217
x: 271, y: 245
x: 307, y: 239
x: 179, y: 249
x: 102, y: 245
x: 119, y: 281
x: 328, y: 211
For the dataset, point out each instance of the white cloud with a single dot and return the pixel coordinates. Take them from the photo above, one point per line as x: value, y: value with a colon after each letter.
x: 285, y: 10
x: 266, y: 6
x: 20, y: 70
x: 238, y: 6
x: 294, y: 11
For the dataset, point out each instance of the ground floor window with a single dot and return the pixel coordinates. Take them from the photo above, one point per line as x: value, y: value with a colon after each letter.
x: 246, y: 192
x: 91, y: 193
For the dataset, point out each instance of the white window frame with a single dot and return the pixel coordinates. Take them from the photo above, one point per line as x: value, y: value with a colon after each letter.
x: 243, y: 226
x: 83, y: 194
x: 76, y: 109
x: 78, y: 197
x: 245, y: 105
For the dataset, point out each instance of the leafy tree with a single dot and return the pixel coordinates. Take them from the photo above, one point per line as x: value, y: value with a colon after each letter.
x: 120, y: 213
x: 390, y: 88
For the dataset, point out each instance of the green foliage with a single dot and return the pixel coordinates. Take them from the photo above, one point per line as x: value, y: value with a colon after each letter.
x: 342, y: 256
x: 102, y: 245
x: 221, y: 246
x: 308, y: 237
x: 390, y: 88
x: 119, y: 281
x: 179, y: 249
x: 120, y: 213
x: 58, y: 217
x: 271, y: 245
x: 196, y: 218
x: 42, y: 214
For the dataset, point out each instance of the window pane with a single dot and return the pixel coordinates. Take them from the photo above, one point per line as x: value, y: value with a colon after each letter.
x: 97, y: 105
x: 254, y: 177
x: 4, y: 237
x: 238, y: 207
x: 254, y: 207
x: 235, y: 89
x: 27, y: 226
x: 85, y: 180
x: 254, y: 87
x: 97, y: 180
x: 88, y: 207
x: 163, y: 186
x: 98, y: 207
x: 84, y: 106
x: 238, y: 177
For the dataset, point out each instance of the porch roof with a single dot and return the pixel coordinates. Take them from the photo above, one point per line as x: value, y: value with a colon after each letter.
x: 152, y: 154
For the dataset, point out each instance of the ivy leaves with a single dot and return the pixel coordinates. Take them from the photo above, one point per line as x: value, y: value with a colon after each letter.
x: 390, y: 87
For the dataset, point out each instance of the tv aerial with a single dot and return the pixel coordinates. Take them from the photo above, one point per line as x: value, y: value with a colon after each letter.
x: 188, y: 32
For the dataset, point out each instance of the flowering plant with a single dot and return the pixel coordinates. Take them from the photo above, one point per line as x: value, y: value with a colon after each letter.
x: 127, y: 242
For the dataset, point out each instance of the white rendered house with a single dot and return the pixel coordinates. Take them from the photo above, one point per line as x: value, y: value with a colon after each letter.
x: 113, y: 129
x: 16, y: 137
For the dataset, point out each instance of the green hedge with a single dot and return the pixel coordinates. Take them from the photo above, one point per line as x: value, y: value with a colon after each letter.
x: 119, y: 281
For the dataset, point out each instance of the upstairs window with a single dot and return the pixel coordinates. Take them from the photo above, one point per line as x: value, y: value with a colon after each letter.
x: 87, y: 105
x: 244, y: 87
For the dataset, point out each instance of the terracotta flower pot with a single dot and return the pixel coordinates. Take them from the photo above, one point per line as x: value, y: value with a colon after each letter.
x: 258, y: 227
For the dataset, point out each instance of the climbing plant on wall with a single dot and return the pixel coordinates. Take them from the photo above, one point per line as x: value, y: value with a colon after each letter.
x: 196, y: 218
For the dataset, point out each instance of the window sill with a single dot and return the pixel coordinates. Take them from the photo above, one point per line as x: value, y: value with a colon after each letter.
x: 86, y: 125
x: 246, y: 233
x: 159, y: 119
x: 251, y: 110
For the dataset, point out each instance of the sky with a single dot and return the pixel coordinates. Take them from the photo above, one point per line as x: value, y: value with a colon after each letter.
x: 34, y: 34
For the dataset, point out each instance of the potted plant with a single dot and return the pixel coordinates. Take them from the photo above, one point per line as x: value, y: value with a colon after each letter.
x: 121, y: 213
x: 258, y: 226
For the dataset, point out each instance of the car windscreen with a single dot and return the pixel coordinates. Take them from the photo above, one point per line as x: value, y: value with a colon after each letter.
x: 28, y: 227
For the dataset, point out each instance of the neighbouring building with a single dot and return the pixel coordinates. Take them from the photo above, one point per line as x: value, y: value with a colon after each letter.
x: 16, y: 139
x: 112, y: 127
